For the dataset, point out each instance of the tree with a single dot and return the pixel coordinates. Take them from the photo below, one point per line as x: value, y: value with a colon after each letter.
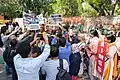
x: 103, y: 7
x: 86, y: 7
x: 117, y: 12
x: 10, y: 8
x: 14, y: 8
x: 87, y: 10
x: 38, y: 6
x: 66, y: 7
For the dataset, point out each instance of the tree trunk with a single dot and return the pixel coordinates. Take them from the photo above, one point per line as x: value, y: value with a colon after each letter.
x: 113, y: 10
x: 106, y: 11
x: 102, y: 12
x: 94, y: 7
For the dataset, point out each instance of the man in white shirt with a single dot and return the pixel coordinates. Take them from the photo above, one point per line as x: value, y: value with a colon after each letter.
x: 50, y: 67
x: 26, y: 66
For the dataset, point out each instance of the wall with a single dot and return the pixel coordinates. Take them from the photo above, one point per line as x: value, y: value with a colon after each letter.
x: 1, y: 17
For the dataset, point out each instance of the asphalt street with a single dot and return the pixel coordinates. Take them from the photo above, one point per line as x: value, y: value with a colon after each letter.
x: 3, y: 75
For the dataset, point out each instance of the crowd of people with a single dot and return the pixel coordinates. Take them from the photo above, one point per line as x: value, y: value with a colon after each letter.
x: 58, y: 53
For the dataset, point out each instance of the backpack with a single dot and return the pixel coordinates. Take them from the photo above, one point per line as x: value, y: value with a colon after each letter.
x: 75, y: 60
x: 8, y: 56
x: 62, y: 73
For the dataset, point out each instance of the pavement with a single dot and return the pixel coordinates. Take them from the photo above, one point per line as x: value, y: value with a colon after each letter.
x: 3, y: 75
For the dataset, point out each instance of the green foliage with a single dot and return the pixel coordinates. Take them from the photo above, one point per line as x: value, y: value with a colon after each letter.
x: 38, y: 6
x: 68, y: 7
x: 10, y: 8
x: 117, y: 12
x: 103, y: 7
x: 14, y: 8
x: 86, y: 7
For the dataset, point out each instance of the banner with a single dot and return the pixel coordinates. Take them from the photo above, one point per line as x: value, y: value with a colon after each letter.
x: 101, y: 54
x: 32, y: 22
x: 20, y: 21
x: 57, y: 18
x: 26, y: 19
x: 41, y: 19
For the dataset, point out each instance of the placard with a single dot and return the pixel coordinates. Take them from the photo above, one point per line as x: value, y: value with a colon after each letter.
x: 20, y: 21
x: 31, y: 21
x: 57, y: 18
x: 41, y: 19
x: 101, y: 54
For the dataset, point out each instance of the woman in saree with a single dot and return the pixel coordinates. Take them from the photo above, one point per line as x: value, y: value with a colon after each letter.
x: 111, y: 63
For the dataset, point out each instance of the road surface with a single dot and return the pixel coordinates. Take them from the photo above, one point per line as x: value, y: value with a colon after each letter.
x: 3, y: 75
